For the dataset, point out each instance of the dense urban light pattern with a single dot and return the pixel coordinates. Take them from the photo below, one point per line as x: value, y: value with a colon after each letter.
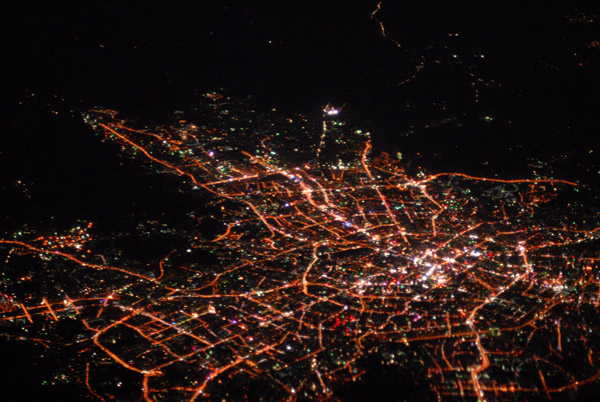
x: 325, y: 257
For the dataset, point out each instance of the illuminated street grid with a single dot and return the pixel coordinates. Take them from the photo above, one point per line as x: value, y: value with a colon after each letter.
x: 327, y: 257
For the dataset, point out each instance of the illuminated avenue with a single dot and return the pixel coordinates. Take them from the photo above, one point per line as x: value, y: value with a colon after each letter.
x: 326, y: 255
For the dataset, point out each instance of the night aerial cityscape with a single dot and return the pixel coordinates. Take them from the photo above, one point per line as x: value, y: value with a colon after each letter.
x: 300, y: 201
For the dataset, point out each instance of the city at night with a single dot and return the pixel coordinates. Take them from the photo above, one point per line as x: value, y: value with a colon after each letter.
x: 313, y: 201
